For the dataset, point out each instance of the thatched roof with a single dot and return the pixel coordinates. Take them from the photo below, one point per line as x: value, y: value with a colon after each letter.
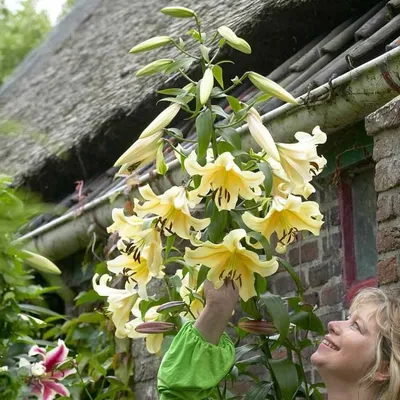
x: 78, y: 102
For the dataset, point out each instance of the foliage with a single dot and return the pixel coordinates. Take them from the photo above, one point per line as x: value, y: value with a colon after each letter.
x: 20, y: 32
x: 26, y: 320
x: 241, y: 198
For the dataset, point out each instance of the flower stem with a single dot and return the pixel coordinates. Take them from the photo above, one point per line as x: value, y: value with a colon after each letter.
x: 83, y: 383
x: 184, y: 51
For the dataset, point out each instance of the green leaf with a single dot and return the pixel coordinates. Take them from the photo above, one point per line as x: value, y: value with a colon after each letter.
x: 202, y: 276
x: 260, y: 284
x: 293, y: 274
x: 88, y: 297
x: 217, y: 72
x: 277, y: 310
x: 205, y: 52
x: 241, y: 351
x: 91, y: 318
x: 250, y: 308
x: 259, y: 391
x: 170, y: 242
x: 217, y: 227
x: 174, y: 100
x: 172, y: 91
x: 38, y: 310
x: 308, y: 321
x: 264, y: 243
x: 219, y: 111
x: 234, y: 103
x: 224, y: 147
x: 286, y: 375
x: 183, y: 63
x: 204, y: 127
x: 265, y: 168
x: 232, y: 136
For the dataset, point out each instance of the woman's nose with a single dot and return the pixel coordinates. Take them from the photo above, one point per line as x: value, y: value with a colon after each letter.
x: 334, y: 327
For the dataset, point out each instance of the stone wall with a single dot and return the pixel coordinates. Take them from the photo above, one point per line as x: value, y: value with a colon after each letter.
x: 384, y: 126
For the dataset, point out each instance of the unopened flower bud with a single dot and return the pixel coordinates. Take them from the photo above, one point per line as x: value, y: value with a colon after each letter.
x: 281, y: 248
x: 178, y: 12
x: 233, y: 40
x: 155, y: 327
x: 258, y: 327
x: 151, y: 44
x: 270, y: 87
x: 38, y: 369
x: 171, y: 307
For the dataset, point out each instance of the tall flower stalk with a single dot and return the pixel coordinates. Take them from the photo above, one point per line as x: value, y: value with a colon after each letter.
x: 240, y: 198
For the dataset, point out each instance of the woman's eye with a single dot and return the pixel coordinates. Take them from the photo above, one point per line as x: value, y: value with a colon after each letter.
x: 355, y: 325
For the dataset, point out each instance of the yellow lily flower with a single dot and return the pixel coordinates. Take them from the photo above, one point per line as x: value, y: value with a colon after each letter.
x: 134, y: 240
x: 282, y: 186
x: 136, y: 269
x: 261, y: 134
x: 153, y: 341
x: 173, y: 209
x: 224, y: 178
x: 230, y: 259
x: 189, y: 285
x: 300, y: 160
x: 120, y: 301
x: 286, y: 217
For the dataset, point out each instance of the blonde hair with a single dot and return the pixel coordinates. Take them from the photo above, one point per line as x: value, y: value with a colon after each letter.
x: 387, y: 318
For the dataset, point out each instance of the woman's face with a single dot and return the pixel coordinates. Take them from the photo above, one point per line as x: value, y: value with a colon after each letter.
x: 347, y: 353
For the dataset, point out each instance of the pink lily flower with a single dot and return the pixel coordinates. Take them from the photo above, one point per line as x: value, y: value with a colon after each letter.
x: 45, y: 373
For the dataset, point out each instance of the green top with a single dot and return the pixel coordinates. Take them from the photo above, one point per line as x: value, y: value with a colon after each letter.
x: 192, y: 367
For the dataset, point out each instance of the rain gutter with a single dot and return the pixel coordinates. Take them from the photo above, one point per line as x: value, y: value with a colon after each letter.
x: 345, y: 100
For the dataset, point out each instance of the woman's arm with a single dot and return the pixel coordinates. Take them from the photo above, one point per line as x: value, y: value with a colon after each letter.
x: 220, y: 304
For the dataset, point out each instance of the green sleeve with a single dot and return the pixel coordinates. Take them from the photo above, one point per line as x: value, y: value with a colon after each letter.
x: 192, y: 367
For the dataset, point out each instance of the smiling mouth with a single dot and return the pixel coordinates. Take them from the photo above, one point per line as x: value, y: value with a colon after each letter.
x: 330, y: 344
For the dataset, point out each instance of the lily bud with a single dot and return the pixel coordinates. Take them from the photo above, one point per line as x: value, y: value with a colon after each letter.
x: 40, y: 263
x: 233, y: 40
x: 171, y: 307
x: 142, y: 151
x: 258, y: 327
x: 270, y: 87
x: 163, y: 119
x: 154, y: 327
x: 151, y: 44
x: 206, y: 85
x: 154, y: 67
x: 178, y: 12
x: 261, y: 134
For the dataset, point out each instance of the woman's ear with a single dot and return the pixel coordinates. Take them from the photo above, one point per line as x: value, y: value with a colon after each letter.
x: 383, y: 374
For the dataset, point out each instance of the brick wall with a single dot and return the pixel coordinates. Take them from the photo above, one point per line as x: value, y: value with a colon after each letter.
x: 318, y: 261
x: 384, y: 126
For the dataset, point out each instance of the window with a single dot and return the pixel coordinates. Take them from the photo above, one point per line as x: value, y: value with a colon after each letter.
x: 358, y: 222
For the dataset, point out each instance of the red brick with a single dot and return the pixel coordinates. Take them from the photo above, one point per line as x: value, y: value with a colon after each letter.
x: 332, y: 295
x: 308, y: 252
x: 388, y: 239
x: 387, y: 271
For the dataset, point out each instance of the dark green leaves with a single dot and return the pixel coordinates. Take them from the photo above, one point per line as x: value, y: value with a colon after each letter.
x: 286, y: 375
x: 265, y: 168
x: 277, y: 310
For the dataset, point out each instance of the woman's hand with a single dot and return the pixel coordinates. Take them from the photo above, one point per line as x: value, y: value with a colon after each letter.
x: 220, y: 304
x: 223, y: 299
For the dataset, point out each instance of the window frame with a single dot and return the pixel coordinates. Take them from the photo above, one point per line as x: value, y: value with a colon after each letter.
x: 349, y: 272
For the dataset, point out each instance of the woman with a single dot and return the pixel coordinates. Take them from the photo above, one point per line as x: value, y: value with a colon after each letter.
x: 358, y: 359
